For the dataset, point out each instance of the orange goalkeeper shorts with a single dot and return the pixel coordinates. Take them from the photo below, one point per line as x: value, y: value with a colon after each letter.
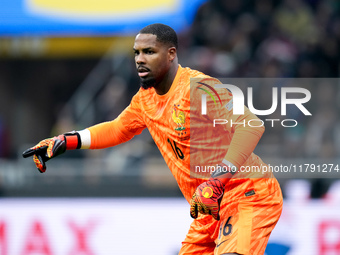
x: 244, y: 228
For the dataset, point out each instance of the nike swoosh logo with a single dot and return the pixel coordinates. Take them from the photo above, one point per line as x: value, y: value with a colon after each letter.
x: 221, y: 243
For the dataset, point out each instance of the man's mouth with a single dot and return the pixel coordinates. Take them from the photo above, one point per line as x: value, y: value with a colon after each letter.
x: 143, y: 71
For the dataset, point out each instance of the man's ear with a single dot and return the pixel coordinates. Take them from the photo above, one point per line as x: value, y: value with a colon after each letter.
x: 172, y: 53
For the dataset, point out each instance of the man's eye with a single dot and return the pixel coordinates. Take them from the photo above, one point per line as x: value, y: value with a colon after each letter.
x: 149, y: 52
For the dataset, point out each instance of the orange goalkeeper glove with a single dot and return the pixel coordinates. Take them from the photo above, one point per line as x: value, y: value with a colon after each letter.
x: 208, y: 195
x: 207, y: 198
x: 52, y: 147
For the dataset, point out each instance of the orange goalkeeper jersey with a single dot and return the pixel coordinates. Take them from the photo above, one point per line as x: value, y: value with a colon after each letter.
x: 179, y: 131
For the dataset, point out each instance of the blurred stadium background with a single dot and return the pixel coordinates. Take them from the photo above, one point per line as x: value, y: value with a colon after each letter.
x: 68, y: 65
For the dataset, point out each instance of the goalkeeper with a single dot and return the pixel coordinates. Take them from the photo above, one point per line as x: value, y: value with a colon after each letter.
x: 233, y: 213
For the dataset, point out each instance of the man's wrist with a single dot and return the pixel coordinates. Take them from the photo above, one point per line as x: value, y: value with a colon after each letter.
x: 72, y: 140
x: 224, y: 171
x: 85, y: 138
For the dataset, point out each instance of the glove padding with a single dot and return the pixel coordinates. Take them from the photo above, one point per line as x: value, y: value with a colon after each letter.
x: 45, y: 150
x: 207, y: 199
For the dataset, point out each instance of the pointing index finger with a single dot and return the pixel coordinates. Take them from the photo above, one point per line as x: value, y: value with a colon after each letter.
x: 29, y: 152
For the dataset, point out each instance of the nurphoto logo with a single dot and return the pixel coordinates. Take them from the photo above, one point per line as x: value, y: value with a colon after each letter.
x: 236, y: 104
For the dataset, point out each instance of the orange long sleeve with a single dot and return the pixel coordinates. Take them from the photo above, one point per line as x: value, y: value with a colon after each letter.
x: 243, y: 144
x: 245, y: 138
x: 128, y: 124
x: 108, y: 134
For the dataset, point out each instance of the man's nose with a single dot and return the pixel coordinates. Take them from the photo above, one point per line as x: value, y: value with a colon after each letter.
x: 140, y: 59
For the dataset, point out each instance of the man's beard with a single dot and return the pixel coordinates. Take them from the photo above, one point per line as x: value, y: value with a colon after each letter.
x: 148, y: 83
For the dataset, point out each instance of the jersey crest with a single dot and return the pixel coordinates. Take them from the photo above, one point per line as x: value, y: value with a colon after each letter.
x: 178, y: 117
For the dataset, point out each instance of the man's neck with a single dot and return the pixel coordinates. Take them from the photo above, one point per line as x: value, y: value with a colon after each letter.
x: 165, y: 85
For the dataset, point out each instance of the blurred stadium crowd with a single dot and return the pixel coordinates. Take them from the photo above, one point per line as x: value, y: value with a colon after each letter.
x: 289, y: 38
x: 258, y: 38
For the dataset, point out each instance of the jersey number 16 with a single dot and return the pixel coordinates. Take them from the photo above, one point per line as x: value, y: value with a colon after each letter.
x: 176, y: 149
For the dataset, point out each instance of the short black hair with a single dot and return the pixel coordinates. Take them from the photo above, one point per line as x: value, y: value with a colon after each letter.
x: 164, y: 33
